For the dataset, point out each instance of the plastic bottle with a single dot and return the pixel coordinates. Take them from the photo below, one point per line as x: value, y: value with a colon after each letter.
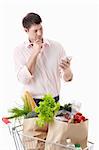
x: 76, y: 106
x: 78, y: 147
x: 69, y: 145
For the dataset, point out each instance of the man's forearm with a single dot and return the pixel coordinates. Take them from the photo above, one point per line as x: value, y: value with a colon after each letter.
x: 37, y: 45
x: 31, y: 63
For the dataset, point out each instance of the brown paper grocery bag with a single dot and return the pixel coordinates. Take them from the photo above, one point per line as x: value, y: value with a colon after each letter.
x: 59, y: 131
x: 31, y: 129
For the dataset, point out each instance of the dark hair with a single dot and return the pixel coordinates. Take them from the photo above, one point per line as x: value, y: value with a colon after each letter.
x: 31, y: 19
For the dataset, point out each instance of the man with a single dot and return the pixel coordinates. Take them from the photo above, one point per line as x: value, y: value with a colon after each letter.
x: 40, y: 63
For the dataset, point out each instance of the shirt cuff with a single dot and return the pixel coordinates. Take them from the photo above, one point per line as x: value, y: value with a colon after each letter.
x: 24, y: 75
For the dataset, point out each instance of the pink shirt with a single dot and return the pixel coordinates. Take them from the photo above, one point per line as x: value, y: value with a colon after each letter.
x: 46, y: 78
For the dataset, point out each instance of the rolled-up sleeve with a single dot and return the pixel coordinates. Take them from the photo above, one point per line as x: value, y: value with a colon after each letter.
x: 24, y: 75
x: 22, y: 71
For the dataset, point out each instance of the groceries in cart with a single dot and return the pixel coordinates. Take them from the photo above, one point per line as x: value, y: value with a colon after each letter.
x: 49, y: 126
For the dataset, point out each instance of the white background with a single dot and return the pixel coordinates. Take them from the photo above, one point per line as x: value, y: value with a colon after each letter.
x: 72, y: 23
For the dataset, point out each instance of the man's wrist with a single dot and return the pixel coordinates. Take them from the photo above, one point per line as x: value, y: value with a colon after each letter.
x: 68, y: 75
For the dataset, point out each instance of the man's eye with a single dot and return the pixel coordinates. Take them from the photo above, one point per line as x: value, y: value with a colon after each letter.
x: 41, y: 29
x: 35, y: 31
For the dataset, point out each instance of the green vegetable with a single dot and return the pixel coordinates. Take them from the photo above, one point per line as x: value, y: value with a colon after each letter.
x: 17, y: 112
x: 46, y: 110
x: 31, y: 115
x: 68, y: 107
x: 24, y: 110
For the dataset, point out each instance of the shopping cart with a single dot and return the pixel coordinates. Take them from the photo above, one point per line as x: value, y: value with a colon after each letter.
x: 26, y: 142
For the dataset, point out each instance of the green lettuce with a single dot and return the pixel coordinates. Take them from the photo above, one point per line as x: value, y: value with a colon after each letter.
x: 46, y: 110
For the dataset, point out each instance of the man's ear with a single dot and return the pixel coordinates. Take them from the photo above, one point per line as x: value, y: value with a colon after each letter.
x: 25, y: 29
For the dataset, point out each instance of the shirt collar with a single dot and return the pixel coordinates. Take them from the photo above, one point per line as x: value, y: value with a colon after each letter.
x: 46, y: 43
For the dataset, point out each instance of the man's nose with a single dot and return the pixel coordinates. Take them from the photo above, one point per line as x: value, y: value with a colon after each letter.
x: 39, y: 33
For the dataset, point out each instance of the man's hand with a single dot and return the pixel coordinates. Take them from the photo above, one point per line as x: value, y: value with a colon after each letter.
x: 65, y: 65
x: 37, y: 46
x: 37, y: 49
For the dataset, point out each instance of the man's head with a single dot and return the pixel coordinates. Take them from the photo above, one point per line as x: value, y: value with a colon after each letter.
x: 32, y: 25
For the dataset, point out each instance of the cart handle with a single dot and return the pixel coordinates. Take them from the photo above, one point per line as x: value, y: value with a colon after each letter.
x: 5, y: 120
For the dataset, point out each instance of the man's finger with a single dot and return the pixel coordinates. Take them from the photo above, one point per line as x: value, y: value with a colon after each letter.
x: 65, y: 62
x: 63, y: 66
x: 39, y: 43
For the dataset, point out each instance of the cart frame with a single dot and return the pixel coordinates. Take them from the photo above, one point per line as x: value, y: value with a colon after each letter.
x: 16, y: 130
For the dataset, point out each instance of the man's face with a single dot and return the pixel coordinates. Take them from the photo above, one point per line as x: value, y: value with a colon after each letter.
x: 35, y: 32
